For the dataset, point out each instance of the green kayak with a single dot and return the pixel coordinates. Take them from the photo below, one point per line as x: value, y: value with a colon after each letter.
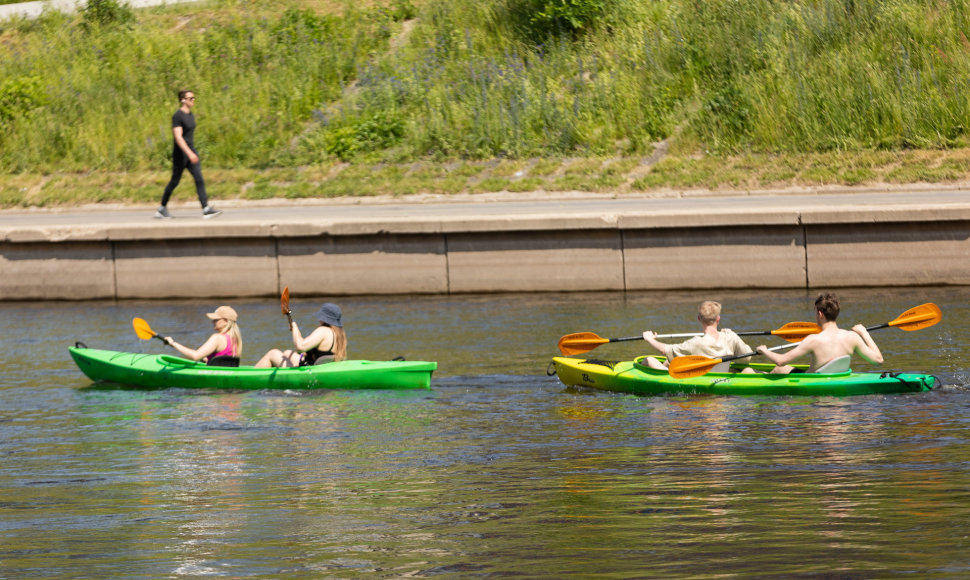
x: 633, y: 377
x: 160, y: 370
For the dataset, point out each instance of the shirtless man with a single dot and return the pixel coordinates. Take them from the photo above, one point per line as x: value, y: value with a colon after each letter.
x: 829, y: 344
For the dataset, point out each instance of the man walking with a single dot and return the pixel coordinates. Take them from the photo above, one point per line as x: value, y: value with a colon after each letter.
x: 184, y: 156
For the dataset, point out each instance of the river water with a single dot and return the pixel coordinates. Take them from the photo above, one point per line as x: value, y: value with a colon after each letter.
x: 498, y: 470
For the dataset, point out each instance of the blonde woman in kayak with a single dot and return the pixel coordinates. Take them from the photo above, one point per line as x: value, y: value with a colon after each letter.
x: 711, y: 343
x: 327, y: 343
x: 829, y: 344
x: 224, y: 346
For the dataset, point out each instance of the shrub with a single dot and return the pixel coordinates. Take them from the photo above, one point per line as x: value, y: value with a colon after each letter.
x: 573, y: 15
x: 402, y: 10
x: 377, y: 131
x: 20, y: 96
x: 99, y: 13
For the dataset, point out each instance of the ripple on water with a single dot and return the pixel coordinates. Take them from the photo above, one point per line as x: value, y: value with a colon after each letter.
x: 496, y: 471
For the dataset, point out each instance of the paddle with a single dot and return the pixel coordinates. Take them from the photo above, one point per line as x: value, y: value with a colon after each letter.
x: 144, y: 331
x: 696, y: 365
x: 580, y: 342
x: 916, y: 318
x: 285, y: 305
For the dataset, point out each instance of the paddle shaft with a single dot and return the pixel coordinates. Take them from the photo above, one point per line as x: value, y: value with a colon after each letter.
x: 640, y: 337
x: 922, y: 316
x: 697, y: 365
x: 580, y: 342
x: 159, y: 337
x: 692, y: 334
x: 144, y: 331
x: 795, y: 330
x: 901, y: 321
x: 736, y: 357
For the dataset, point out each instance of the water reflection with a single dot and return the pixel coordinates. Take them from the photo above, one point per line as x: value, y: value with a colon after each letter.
x: 498, y: 470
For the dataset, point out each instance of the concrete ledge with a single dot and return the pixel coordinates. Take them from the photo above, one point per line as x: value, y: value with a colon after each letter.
x: 195, y: 268
x: 535, y: 261
x: 67, y: 271
x: 903, y: 254
x: 313, y: 224
x: 719, y: 257
x: 732, y: 218
x: 378, y: 264
x: 531, y: 246
x: 883, y: 215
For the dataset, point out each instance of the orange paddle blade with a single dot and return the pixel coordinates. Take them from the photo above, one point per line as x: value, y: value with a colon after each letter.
x: 142, y: 329
x: 797, y: 331
x: 918, y: 317
x: 285, y: 300
x: 684, y: 367
x: 580, y: 342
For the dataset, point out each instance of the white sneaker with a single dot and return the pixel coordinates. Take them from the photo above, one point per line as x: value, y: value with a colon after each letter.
x: 210, y: 212
x: 162, y: 213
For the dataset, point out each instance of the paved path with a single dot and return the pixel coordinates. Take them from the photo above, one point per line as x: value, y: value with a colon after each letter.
x: 923, y: 204
x: 35, y: 9
x: 492, y: 243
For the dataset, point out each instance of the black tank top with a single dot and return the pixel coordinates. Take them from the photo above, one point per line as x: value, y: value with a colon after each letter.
x: 310, y: 357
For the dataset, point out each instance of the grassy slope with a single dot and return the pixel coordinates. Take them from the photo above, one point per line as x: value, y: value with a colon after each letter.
x: 331, y: 99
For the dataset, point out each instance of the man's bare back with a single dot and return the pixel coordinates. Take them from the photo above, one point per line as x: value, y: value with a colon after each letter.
x: 834, y: 342
x: 829, y: 344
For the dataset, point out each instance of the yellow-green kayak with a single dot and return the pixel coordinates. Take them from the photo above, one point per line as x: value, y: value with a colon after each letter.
x: 636, y: 378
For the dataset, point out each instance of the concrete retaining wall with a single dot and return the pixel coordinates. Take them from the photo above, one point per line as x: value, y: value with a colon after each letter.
x: 779, y: 249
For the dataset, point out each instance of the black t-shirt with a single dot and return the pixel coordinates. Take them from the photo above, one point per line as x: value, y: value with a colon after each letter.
x: 187, y: 122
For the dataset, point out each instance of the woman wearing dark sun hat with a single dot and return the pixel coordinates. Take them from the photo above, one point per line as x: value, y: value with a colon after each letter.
x: 327, y: 343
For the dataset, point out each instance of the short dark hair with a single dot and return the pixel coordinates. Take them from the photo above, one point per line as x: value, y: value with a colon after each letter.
x: 828, y: 304
x: 183, y: 93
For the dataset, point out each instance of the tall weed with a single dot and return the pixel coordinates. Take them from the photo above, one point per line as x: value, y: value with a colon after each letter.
x: 279, y: 84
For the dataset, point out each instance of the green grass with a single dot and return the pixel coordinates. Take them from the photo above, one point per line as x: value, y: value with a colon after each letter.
x: 726, y: 173
x: 305, y: 98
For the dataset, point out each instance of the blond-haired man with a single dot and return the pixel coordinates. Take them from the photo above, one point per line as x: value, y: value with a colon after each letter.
x: 711, y: 343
